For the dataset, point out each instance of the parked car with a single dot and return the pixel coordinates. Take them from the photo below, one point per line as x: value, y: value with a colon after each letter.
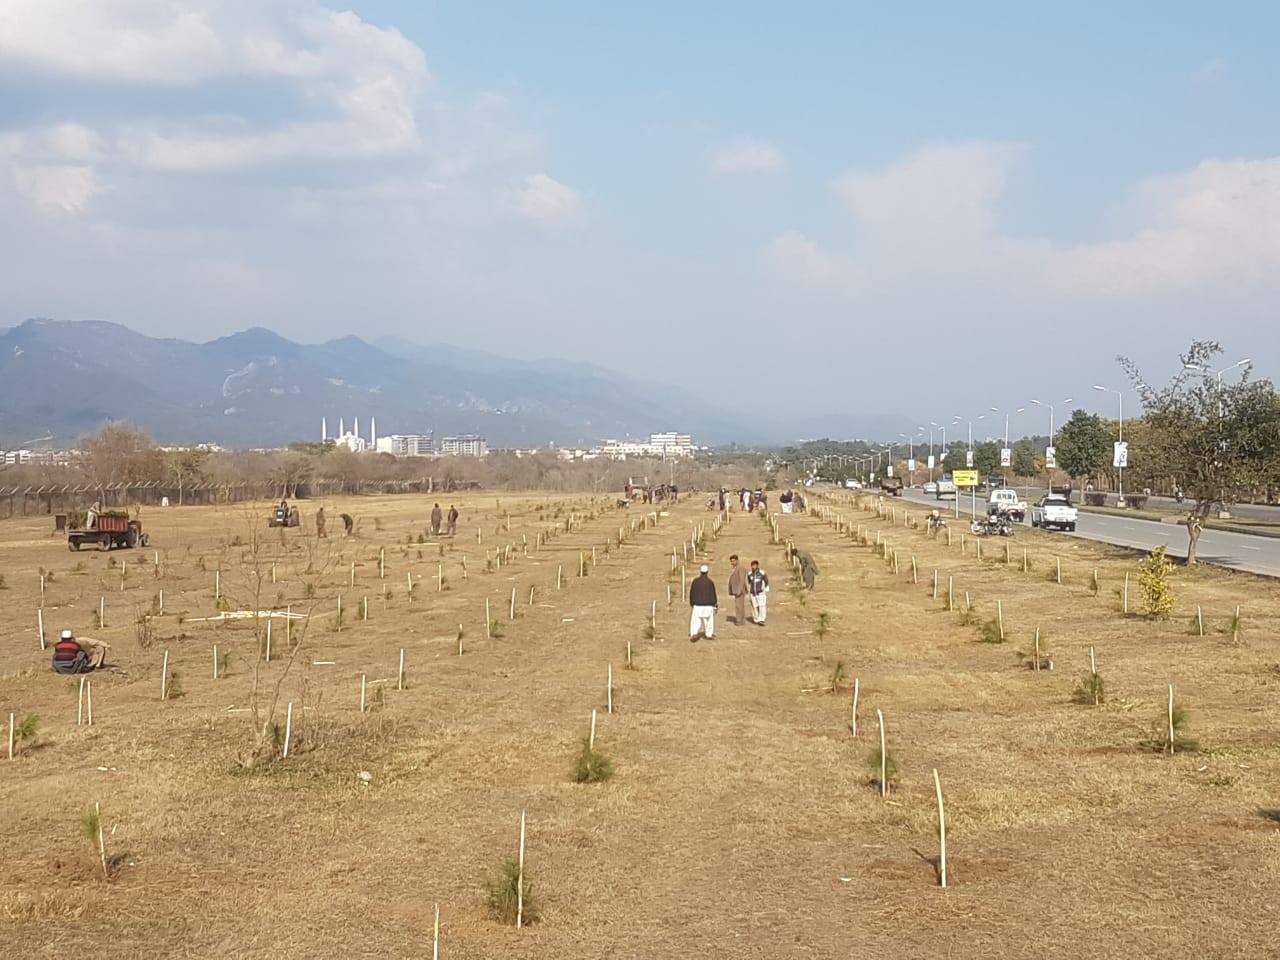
x: 1005, y: 502
x: 853, y: 485
x: 930, y: 487
x: 946, y: 489
x: 1054, y: 510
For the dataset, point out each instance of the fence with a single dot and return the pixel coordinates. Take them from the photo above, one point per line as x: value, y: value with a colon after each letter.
x: 63, y: 498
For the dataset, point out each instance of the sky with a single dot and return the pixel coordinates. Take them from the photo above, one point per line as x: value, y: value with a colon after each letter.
x: 819, y: 207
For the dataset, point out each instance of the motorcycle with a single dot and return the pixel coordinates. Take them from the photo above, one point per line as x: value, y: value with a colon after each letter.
x: 995, y: 525
x: 936, y: 523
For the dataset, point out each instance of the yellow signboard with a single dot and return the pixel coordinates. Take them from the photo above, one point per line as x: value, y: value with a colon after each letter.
x: 965, y: 478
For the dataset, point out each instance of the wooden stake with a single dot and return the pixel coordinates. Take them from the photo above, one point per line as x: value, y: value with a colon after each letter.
x: 364, y: 608
x: 161, y: 609
x: 102, y: 611
x: 215, y: 661
x: 591, y: 740
x: 435, y: 942
x: 439, y: 578
x: 362, y: 692
x: 382, y: 563
x: 400, y: 672
x: 853, y: 710
x: 80, y: 704
x: 164, y: 677
x: 1171, y: 718
x: 914, y: 576
x: 353, y: 573
x: 102, y: 846
x: 520, y: 878
x: 942, y: 833
x: 1125, y: 601
x: 1235, y: 626
x: 11, y: 734
x: 513, y: 605
x: 40, y: 625
x: 999, y: 616
x: 459, y: 639
x: 269, y: 639
x: 609, y: 689
x: 682, y: 584
x: 951, y: 597
x: 488, y: 623
x: 628, y: 654
x: 1058, y: 560
x: 560, y: 577
x: 884, y: 759
x: 1199, y: 619
x: 1037, y: 665
x: 935, y: 583
x: 1093, y: 670
x: 288, y: 729
x: 88, y: 703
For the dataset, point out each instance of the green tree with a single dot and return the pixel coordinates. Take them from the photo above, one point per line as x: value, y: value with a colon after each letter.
x: 1084, y: 445
x: 1215, y: 438
x: 986, y: 457
x: 1024, y: 460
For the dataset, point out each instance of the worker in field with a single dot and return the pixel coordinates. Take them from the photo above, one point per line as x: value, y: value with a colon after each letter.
x: 758, y: 589
x: 437, y: 517
x: 808, y: 568
x: 78, y: 656
x: 348, y: 523
x: 738, y: 590
x: 702, y: 600
x: 453, y: 520
x: 320, y: 524
x: 91, y: 515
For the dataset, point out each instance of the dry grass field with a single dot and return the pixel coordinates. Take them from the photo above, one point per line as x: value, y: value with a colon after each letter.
x: 742, y: 820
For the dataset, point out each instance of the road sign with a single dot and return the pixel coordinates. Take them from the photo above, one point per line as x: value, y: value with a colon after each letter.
x: 1006, y: 456
x: 931, y: 463
x: 968, y: 458
x: 911, y: 465
x: 1050, y: 458
x: 888, y: 471
x: 965, y: 478
x: 1120, y: 454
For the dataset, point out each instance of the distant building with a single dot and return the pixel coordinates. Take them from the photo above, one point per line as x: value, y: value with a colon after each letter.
x: 468, y: 445
x: 407, y: 444
x: 663, y: 445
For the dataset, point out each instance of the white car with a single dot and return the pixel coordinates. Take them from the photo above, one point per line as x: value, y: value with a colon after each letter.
x: 930, y: 487
x: 1054, y: 510
x: 1005, y: 501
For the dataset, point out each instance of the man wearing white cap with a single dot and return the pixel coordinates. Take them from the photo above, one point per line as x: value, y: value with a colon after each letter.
x: 702, y: 598
x: 72, y: 655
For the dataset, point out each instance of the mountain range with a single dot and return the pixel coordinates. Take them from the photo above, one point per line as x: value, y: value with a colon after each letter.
x: 60, y: 380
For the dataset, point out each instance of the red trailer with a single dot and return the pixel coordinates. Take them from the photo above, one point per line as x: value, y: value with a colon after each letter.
x: 110, y: 530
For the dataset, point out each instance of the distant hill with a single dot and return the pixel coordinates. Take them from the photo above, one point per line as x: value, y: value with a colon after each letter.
x: 256, y: 388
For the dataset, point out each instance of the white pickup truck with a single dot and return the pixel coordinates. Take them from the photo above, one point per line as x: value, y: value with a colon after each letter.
x: 1054, y: 510
x: 1005, y: 501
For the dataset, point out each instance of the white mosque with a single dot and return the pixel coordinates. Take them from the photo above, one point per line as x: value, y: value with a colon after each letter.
x: 351, y: 439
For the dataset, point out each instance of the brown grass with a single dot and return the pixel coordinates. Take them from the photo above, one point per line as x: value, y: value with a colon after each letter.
x: 739, y: 823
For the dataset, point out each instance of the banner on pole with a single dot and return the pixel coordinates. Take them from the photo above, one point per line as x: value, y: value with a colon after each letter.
x: 1006, y: 456
x: 1050, y: 458
x: 1120, y: 454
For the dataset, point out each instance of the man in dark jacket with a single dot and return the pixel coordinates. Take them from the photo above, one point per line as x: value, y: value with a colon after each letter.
x: 436, y: 517
x: 702, y: 600
x: 77, y: 656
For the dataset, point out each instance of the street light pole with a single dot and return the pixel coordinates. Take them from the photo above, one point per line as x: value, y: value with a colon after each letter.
x: 1047, y: 469
x: 1120, y: 394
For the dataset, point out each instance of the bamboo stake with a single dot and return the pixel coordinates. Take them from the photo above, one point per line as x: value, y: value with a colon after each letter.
x: 88, y: 703
x: 884, y: 759
x: 513, y: 605
x: 853, y: 710
x: 11, y: 734
x: 439, y: 578
x: 353, y: 573
x: 942, y: 833
x: 488, y: 623
x: 609, y: 690
x: 102, y: 612
x: 400, y: 672
x: 164, y: 677
x: 288, y: 729
x: 1024, y: 559
x: 215, y: 661
x: 362, y: 692
x: 435, y: 942
x: 102, y: 846
x: 40, y: 625
x: 560, y: 577
x: 1059, y: 562
x: 951, y: 597
x: 999, y: 616
x: 1125, y: 601
x: 269, y: 639
x: 1199, y: 619
x: 628, y: 654
x: 1235, y: 626
x: 364, y: 608
x: 80, y: 704
x: 914, y: 575
x: 591, y: 740
x: 217, y: 584
x: 682, y: 584
x: 161, y: 609
x: 1093, y: 670
x: 935, y: 583
x: 520, y: 878
x: 1171, y: 719
x: 1037, y: 664
x: 382, y: 563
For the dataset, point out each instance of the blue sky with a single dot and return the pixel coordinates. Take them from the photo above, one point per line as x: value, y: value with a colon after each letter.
x: 849, y: 201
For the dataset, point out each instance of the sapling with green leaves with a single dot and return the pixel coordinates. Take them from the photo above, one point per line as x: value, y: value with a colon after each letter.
x: 91, y: 827
x: 1158, y: 599
x: 591, y: 766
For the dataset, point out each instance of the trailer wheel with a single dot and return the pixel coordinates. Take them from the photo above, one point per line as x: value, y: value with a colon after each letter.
x: 73, y: 544
x: 131, y: 538
x: 105, y: 542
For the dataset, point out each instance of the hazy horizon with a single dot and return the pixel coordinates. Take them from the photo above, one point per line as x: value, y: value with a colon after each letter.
x: 834, y: 209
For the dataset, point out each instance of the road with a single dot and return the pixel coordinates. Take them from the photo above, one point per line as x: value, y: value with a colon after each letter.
x: 1240, y: 551
x: 1250, y: 511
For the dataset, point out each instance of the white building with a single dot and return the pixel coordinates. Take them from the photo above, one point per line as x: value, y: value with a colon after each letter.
x: 662, y: 445
x: 407, y: 444
x: 467, y: 445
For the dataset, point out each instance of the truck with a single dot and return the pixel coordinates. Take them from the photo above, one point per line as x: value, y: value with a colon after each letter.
x: 891, y: 486
x: 1054, y: 510
x: 1005, y: 502
x: 109, y: 530
x: 946, y: 489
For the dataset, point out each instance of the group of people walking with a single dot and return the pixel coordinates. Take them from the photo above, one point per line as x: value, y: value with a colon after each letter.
x: 743, y: 585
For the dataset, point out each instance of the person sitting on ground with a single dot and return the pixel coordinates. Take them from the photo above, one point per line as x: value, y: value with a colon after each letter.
x: 78, y: 656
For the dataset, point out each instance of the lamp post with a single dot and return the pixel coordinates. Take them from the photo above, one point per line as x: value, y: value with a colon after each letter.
x: 1120, y: 395
x: 1222, y: 443
x: 1047, y: 469
x: 969, y: 462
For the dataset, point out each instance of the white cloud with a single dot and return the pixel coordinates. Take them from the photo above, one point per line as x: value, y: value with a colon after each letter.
x: 65, y: 187
x: 747, y: 155
x: 933, y: 217
x: 547, y: 201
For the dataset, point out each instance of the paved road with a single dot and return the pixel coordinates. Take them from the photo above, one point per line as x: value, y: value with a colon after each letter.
x: 1240, y: 551
x: 1251, y: 511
